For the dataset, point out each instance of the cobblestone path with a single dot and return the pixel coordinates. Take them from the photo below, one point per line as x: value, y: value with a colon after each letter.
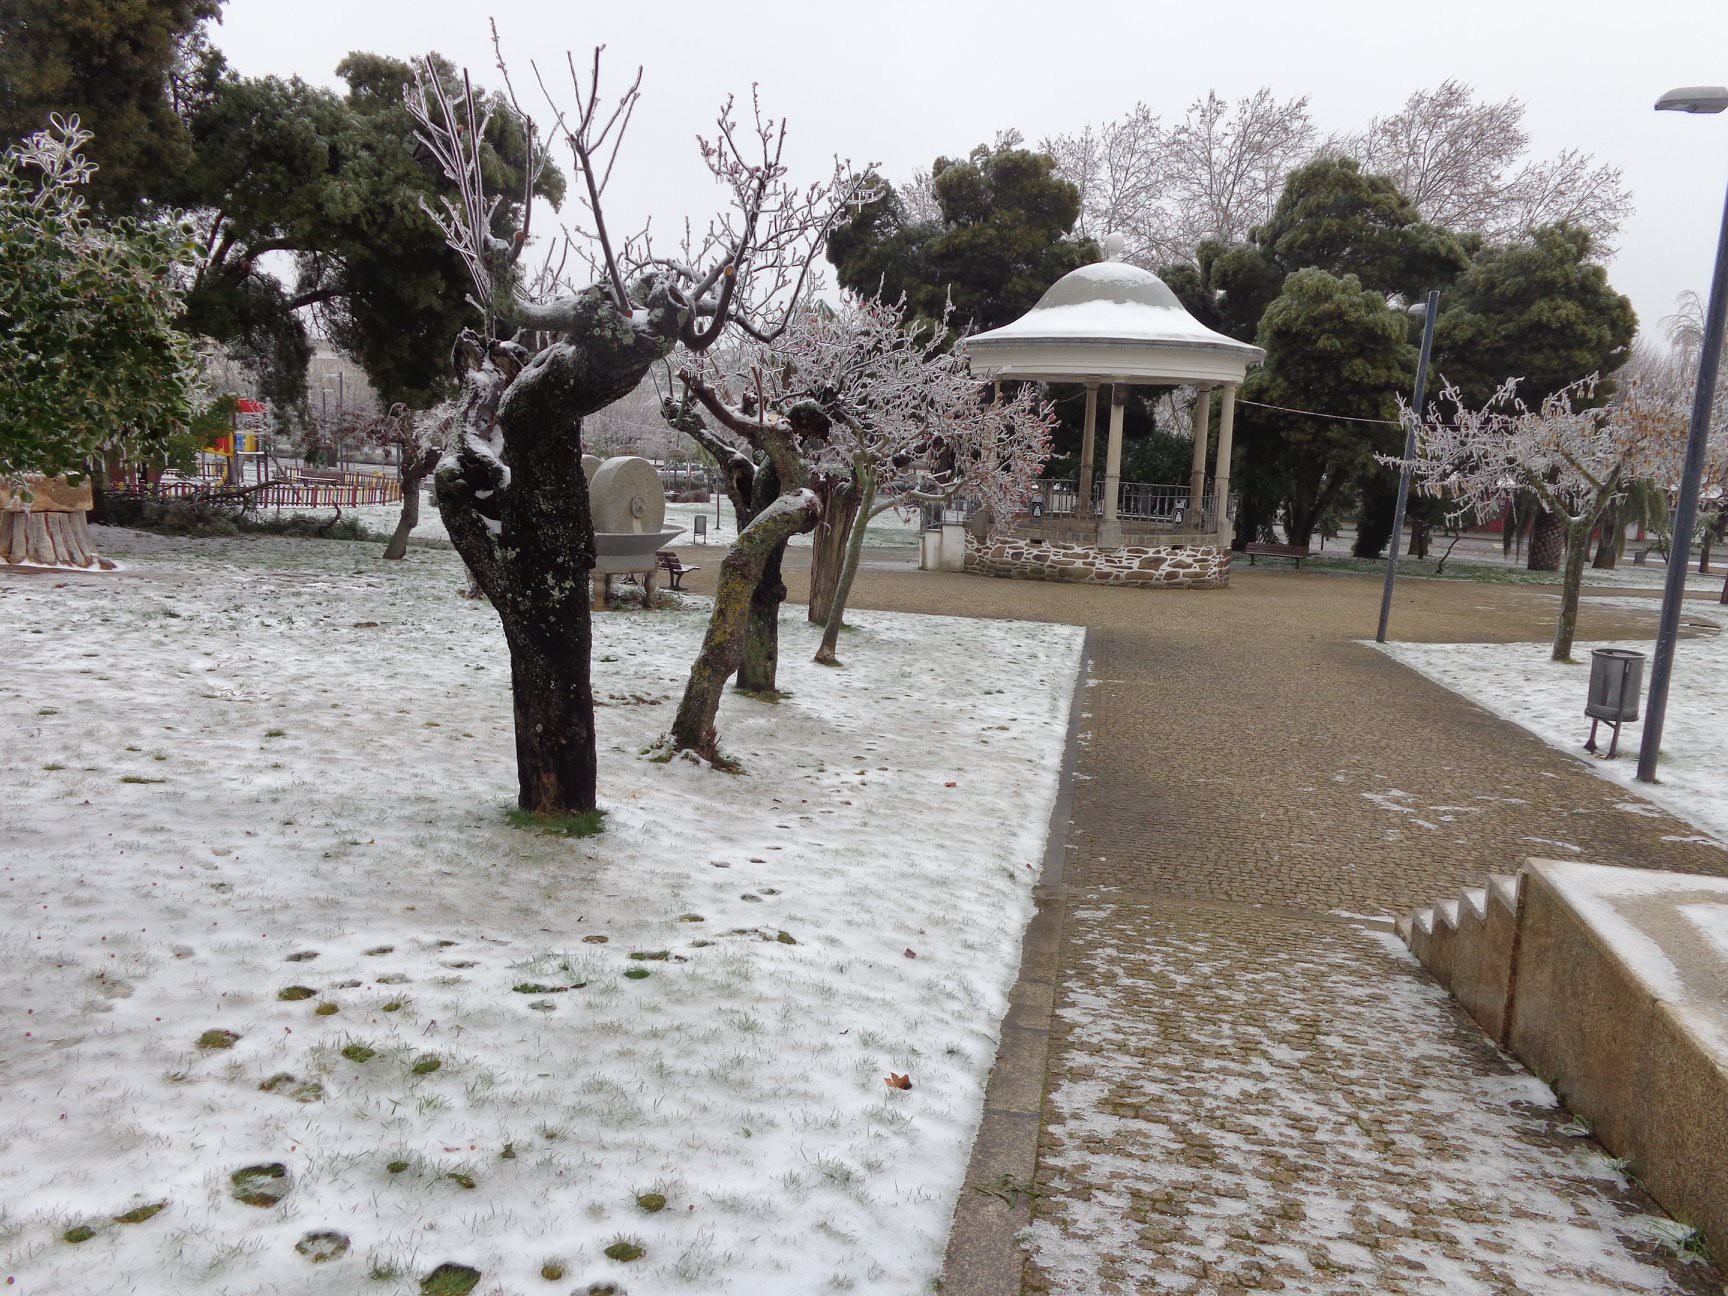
x: 1245, y: 1088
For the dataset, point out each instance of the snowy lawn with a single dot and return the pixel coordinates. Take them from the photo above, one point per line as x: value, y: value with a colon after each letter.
x: 1518, y: 682
x: 283, y: 983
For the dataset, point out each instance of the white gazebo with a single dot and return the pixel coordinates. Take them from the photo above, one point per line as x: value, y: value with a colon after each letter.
x: 1113, y: 325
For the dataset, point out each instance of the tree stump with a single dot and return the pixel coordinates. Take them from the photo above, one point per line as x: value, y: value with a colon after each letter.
x: 49, y: 528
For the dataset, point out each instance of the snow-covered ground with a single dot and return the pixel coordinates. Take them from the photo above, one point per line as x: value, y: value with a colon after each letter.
x: 263, y: 916
x: 1518, y: 682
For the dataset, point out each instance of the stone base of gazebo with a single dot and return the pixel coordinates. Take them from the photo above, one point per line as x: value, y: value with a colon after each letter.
x: 1172, y: 561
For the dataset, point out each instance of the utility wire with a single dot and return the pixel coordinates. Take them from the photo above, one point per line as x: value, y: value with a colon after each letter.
x: 1341, y: 418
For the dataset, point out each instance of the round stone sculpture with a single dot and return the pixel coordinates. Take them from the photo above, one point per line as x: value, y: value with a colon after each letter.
x: 625, y: 495
x: 589, y: 464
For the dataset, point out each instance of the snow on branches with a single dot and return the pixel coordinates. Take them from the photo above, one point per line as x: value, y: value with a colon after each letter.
x: 1574, y: 459
x: 746, y: 267
x: 865, y: 388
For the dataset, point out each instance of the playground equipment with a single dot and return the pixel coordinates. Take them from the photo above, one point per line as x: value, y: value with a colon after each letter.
x: 628, y: 505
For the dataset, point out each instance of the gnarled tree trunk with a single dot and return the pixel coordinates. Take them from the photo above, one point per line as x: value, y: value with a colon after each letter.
x: 759, y: 668
x: 828, y: 546
x: 865, y: 498
x: 515, y: 502
x: 723, y: 645
x: 413, y: 471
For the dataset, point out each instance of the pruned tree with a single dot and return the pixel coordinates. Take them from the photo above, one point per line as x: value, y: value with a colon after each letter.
x: 1462, y: 162
x: 879, y: 413
x: 416, y: 438
x: 511, y: 488
x: 1575, y: 459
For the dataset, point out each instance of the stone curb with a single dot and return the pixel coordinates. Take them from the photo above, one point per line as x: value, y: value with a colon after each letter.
x: 984, y: 1258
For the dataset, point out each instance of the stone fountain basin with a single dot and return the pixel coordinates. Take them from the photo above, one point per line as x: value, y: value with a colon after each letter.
x: 630, y: 551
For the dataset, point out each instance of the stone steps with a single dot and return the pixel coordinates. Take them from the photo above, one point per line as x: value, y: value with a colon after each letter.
x: 1612, y: 983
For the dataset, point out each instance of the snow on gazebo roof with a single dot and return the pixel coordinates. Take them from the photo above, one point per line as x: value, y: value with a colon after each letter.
x: 1110, y: 322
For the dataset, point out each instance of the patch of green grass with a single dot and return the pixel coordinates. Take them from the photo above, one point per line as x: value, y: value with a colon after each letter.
x: 82, y: 1233
x: 295, y: 992
x: 395, y: 1005
x: 650, y: 1202
x: 275, y: 733
x: 461, y: 1180
x: 260, y: 1185
x: 552, y: 1270
x: 139, y: 778
x: 53, y: 767
x: 625, y: 1250
x: 637, y: 974
x: 426, y: 1066
x: 652, y: 956
x: 450, y: 1279
x: 591, y: 823
x: 217, y: 1039
x: 326, y: 1010
x: 359, y: 1053
x: 138, y: 1214
x: 396, y: 1167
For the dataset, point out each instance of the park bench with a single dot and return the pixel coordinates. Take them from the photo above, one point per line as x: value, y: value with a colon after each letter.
x: 1258, y: 548
x: 675, y: 570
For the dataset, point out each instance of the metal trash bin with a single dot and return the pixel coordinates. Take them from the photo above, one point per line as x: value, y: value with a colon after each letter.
x: 1616, y: 688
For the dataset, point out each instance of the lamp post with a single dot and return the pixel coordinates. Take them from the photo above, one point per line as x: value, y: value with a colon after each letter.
x: 1430, y: 309
x: 1691, y: 99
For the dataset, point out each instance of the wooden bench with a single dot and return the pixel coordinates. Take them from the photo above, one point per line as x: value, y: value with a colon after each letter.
x: 675, y: 570
x: 1298, y: 552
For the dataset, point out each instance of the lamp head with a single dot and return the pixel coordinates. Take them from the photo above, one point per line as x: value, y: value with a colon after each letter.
x: 1694, y: 99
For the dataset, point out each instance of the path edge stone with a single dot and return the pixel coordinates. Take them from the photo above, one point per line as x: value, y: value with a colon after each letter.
x: 984, y: 1256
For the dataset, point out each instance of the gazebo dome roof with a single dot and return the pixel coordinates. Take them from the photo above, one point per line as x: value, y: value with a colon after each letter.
x: 1111, y: 322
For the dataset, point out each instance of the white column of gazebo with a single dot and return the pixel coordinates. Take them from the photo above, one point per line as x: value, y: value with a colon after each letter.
x: 1109, y: 326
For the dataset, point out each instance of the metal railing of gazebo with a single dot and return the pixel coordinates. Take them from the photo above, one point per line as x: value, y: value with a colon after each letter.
x: 1135, y: 502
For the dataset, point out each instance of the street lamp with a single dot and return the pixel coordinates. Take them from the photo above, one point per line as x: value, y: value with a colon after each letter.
x: 1429, y: 310
x: 1690, y: 99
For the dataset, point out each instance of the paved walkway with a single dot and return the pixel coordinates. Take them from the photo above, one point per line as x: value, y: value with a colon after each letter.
x: 1233, y: 1085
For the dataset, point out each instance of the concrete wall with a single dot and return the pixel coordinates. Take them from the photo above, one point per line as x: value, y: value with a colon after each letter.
x: 1643, y: 1066
x: 1600, y: 982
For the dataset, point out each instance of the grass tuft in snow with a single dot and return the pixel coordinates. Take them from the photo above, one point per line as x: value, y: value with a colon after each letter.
x: 450, y: 1279
x: 625, y: 1249
x: 590, y: 823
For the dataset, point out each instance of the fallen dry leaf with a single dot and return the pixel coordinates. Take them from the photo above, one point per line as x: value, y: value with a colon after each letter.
x: 898, y: 1081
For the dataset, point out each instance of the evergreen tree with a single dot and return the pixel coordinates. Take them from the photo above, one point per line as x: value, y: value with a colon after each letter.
x: 1001, y: 240
x: 123, y: 69
x: 1334, y: 346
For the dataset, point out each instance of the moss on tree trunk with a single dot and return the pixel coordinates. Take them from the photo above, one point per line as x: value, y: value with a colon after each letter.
x: 723, y: 645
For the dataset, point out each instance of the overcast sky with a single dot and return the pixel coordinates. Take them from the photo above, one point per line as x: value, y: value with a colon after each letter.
x: 899, y: 83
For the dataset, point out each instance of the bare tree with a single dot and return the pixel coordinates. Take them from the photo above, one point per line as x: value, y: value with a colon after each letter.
x: 511, y: 488
x: 1216, y: 173
x: 886, y: 416
x: 417, y: 439
x: 1462, y: 162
